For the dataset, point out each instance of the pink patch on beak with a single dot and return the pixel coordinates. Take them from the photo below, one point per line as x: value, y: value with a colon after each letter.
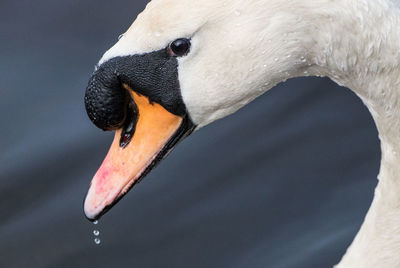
x: 123, y: 166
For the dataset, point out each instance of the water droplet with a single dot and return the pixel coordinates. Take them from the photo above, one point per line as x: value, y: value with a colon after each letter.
x: 264, y: 52
x: 97, y: 241
x: 237, y: 12
x: 251, y: 70
x: 158, y: 34
x: 265, y: 65
x: 276, y: 59
x: 95, y: 222
x: 303, y: 59
x: 96, y: 232
x: 119, y: 37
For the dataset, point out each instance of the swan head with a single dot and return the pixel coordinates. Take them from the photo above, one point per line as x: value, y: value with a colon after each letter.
x: 180, y: 66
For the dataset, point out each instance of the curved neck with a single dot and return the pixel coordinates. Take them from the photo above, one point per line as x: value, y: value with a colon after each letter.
x: 357, y: 44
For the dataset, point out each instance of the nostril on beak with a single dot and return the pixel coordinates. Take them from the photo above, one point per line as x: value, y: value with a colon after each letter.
x: 106, y: 100
x: 130, y: 124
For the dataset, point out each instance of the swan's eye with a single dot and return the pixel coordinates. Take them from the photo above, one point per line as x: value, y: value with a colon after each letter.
x: 180, y: 47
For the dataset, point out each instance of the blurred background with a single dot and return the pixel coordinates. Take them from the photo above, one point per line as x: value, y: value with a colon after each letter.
x: 285, y: 182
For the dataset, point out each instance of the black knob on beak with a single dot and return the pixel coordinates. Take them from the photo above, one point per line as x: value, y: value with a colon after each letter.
x: 154, y: 75
x: 106, y: 100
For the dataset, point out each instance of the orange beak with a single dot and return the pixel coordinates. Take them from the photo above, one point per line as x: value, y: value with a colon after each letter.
x: 157, y: 132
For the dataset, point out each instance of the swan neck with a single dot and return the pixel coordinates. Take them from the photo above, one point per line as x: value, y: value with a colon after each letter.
x: 359, y: 47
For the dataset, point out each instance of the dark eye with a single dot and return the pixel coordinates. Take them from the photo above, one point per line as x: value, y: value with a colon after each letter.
x: 180, y: 47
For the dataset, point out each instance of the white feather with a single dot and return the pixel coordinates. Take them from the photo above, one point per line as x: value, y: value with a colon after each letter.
x: 240, y: 49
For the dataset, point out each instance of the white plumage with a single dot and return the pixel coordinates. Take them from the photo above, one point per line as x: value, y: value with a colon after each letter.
x: 240, y: 49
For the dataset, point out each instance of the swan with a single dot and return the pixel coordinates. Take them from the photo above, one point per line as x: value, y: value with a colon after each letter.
x: 184, y: 64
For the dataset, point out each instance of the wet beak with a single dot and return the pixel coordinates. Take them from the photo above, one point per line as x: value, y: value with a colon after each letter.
x: 135, y: 150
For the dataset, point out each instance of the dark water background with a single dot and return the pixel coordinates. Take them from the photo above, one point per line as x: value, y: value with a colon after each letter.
x: 285, y: 182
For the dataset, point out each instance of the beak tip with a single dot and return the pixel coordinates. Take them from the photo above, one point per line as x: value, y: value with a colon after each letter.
x: 90, y: 218
x: 90, y: 212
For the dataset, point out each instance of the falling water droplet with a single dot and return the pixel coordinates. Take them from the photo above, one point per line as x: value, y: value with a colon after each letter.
x: 237, y: 12
x: 96, y: 233
x: 276, y: 59
x: 265, y: 65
